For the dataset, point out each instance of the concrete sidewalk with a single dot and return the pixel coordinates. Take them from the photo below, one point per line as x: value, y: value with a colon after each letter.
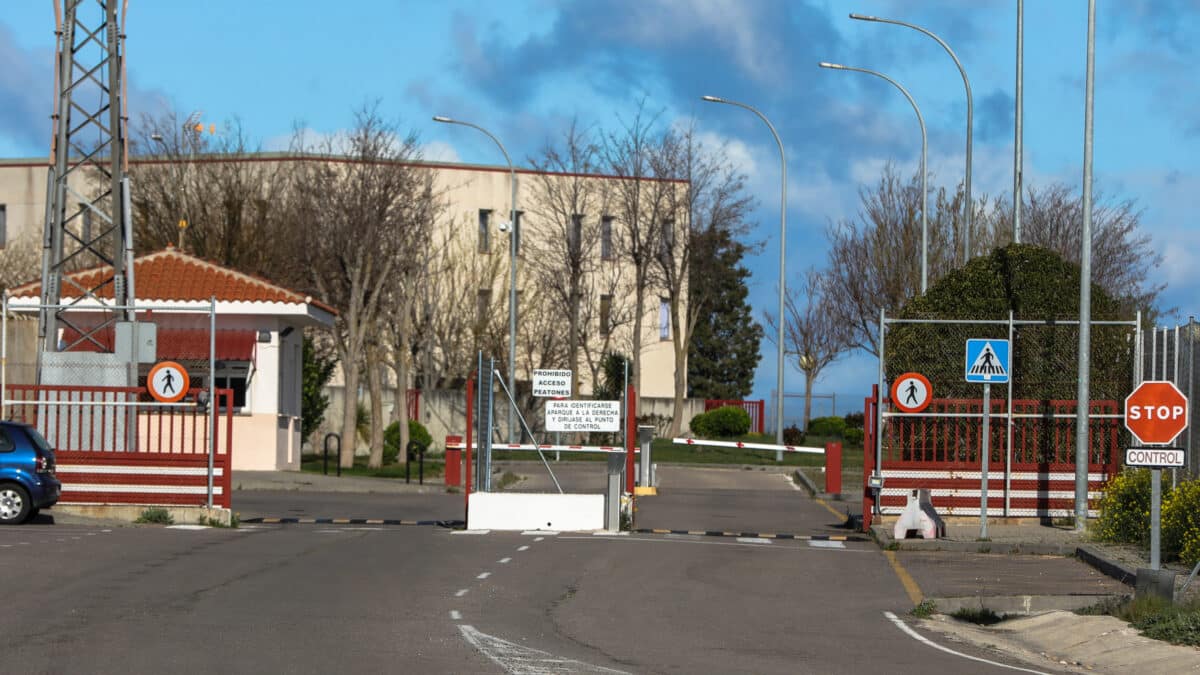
x: 315, y: 482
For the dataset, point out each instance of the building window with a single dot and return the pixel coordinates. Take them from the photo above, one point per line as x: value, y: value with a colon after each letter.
x: 485, y: 244
x: 664, y: 319
x: 516, y: 233
x: 233, y: 375
x: 575, y: 234
x: 606, y: 242
x: 483, y: 304
x: 3, y: 225
x: 605, y: 314
x: 667, y: 252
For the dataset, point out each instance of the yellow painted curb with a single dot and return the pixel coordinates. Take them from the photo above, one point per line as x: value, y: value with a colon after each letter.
x: 644, y: 490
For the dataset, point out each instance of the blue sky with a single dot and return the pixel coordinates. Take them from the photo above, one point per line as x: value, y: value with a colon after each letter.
x: 525, y: 69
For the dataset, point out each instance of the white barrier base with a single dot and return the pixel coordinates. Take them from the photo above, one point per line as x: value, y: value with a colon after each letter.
x: 519, y: 511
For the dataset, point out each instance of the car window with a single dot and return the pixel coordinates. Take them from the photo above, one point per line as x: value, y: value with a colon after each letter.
x: 6, y: 444
x: 38, y: 440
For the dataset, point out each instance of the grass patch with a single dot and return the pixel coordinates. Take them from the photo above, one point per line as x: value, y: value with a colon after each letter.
x: 216, y: 522
x: 926, y: 609
x: 314, y: 463
x: 1155, y: 617
x: 155, y: 516
x: 981, y: 616
x: 664, y: 450
x: 506, y: 479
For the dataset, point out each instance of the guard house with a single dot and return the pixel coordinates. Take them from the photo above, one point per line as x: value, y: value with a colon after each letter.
x: 258, y: 343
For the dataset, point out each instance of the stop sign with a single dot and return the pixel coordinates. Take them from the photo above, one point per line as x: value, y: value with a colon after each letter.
x: 1156, y: 412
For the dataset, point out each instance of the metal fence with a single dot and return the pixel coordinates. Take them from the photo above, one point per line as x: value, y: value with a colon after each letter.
x: 1169, y: 353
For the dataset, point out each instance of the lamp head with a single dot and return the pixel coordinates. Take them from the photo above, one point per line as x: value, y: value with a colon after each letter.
x: 835, y: 66
x: 863, y: 17
x: 503, y: 226
x: 442, y: 118
x: 712, y: 99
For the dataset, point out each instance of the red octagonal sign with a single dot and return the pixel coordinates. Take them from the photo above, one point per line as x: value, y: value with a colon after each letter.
x: 1156, y: 412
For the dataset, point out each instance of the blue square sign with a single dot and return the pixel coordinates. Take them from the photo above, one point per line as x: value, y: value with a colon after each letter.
x: 988, y: 361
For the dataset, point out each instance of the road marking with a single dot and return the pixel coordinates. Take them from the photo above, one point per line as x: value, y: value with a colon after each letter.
x: 610, y: 534
x: 470, y: 531
x: 518, y: 659
x: 539, y: 539
x: 548, y: 533
x: 906, y: 580
x: 186, y: 527
x: 523, y: 548
x: 753, y: 540
x: 504, y: 561
x: 461, y: 592
x: 826, y: 544
x: 792, y: 481
x: 841, y: 516
x: 921, y: 638
x: 455, y: 615
x: 484, y: 575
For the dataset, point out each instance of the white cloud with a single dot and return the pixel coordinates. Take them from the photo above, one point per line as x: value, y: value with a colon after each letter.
x: 439, y: 151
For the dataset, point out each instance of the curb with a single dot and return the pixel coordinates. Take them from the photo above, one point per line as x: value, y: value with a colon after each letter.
x: 885, y: 540
x: 753, y: 535
x: 454, y: 524
x: 1016, y: 604
x: 812, y: 490
x: 1112, y: 568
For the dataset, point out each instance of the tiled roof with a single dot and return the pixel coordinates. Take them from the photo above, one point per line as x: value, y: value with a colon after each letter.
x: 174, y: 276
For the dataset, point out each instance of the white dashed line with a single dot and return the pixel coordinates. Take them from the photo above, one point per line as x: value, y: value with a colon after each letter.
x: 504, y: 561
x: 548, y: 533
x: 484, y: 575
x: 455, y: 615
x: 461, y: 592
x: 470, y: 531
x: 816, y: 543
x: 753, y: 540
x: 523, y: 548
x: 610, y: 534
x: 539, y: 539
x: 792, y: 482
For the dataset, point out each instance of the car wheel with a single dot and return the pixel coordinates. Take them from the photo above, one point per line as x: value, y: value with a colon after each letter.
x: 14, y: 504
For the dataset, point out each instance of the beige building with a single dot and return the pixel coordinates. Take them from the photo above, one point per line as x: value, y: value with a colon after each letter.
x: 569, y: 227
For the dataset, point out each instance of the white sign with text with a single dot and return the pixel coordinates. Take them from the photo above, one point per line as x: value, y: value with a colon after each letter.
x: 583, y: 415
x: 552, y: 383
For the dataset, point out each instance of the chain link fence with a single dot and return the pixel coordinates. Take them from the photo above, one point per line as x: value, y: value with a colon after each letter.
x: 1169, y: 353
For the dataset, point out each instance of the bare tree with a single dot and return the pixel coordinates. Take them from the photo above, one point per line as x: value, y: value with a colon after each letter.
x: 641, y: 201
x: 812, y: 335
x: 356, y: 218
x: 709, y: 196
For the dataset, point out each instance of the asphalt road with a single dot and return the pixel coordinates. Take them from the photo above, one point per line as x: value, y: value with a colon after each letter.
x: 425, y: 599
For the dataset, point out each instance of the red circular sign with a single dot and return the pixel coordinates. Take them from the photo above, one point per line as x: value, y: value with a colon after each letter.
x: 911, y: 392
x: 1156, y: 412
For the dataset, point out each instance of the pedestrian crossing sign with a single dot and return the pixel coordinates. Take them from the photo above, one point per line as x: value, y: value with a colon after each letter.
x: 988, y: 361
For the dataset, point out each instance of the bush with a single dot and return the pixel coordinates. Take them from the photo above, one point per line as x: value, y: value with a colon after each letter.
x: 854, y: 436
x: 391, y: 439
x: 1181, y: 522
x: 854, y: 420
x: 793, y: 436
x: 156, y: 515
x: 827, y: 426
x: 1125, y: 508
x: 723, y: 422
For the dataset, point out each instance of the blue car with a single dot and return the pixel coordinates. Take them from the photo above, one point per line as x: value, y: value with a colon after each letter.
x: 27, y: 480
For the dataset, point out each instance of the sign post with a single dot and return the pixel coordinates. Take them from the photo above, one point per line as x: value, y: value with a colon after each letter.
x: 987, y: 362
x: 1155, y: 413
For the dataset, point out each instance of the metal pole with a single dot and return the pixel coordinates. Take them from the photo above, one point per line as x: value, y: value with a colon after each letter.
x: 924, y: 154
x: 512, y: 270
x: 1018, y: 114
x: 970, y: 113
x: 879, y: 416
x: 1191, y: 372
x: 1085, y: 289
x: 212, y: 392
x: 1008, y: 450
x: 1155, y: 512
x: 985, y: 455
x: 782, y: 265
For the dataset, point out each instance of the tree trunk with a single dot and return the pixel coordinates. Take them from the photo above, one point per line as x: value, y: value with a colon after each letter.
x: 375, y: 386
x: 809, y: 377
x: 680, y: 348
x: 403, y: 375
x: 349, y: 438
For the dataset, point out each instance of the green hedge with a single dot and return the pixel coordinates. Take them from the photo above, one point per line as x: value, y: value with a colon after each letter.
x: 1125, y: 515
x: 724, y: 422
x: 391, y: 439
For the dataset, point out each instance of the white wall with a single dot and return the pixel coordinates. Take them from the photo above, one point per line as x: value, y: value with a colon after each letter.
x: 521, y: 511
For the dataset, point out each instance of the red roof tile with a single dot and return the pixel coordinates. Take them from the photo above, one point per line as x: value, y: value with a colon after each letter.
x: 172, y: 275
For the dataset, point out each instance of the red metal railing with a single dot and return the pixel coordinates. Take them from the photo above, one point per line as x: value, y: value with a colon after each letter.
x: 754, y: 408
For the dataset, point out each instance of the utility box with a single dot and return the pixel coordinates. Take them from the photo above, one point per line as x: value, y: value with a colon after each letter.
x: 137, y: 340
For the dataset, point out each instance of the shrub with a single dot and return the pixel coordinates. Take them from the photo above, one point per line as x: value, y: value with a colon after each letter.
x: 827, y: 426
x: 792, y: 435
x: 699, y: 426
x: 1125, y: 508
x: 156, y: 515
x: 391, y: 439
x: 728, y: 421
x: 854, y: 420
x: 1181, y: 522
x: 854, y: 436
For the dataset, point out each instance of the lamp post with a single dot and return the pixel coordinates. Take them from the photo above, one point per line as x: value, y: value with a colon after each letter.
x: 512, y: 269
x: 924, y: 154
x: 970, y: 109
x: 782, y: 264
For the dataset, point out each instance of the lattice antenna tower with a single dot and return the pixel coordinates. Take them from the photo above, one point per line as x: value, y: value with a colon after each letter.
x: 88, y: 219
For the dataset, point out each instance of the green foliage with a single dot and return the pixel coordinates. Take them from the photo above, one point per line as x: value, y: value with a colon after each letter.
x: 612, y: 377
x: 924, y: 610
x: 1156, y: 617
x: 722, y: 422
x: 854, y: 420
x: 854, y: 436
x: 1035, y: 284
x: 724, y: 349
x: 792, y: 435
x: 317, y: 370
x: 1181, y: 522
x: 827, y: 426
x: 1125, y: 508
x: 391, y: 439
x: 156, y: 515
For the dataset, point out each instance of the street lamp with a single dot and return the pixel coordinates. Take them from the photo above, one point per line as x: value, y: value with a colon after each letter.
x: 924, y: 153
x: 512, y: 270
x: 782, y: 264
x: 970, y: 110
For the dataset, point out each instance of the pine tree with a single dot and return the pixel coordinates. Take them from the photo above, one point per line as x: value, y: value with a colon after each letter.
x: 724, y: 348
